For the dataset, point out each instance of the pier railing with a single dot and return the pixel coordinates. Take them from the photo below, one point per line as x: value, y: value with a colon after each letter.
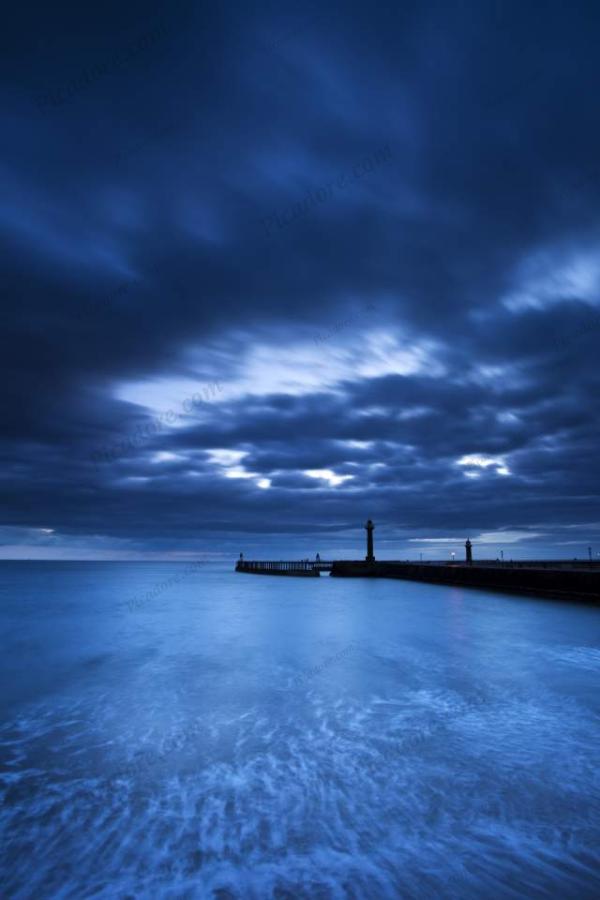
x: 298, y: 566
x: 554, y: 564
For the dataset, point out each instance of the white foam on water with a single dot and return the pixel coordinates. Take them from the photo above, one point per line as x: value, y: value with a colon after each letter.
x: 420, y: 793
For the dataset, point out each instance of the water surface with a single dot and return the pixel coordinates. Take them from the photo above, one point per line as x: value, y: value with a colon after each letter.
x: 176, y: 732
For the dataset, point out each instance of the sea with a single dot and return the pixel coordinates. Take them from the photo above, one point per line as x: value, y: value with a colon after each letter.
x: 179, y: 730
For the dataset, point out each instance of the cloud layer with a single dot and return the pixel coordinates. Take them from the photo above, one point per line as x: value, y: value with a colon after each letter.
x: 376, y: 231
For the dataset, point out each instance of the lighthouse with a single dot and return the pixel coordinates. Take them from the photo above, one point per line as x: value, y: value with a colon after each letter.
x: 370, y: 558
x: 468, y: 546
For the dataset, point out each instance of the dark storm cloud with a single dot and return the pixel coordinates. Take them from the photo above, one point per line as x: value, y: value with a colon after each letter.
x: 132, y: 210
x: 285, y: 217
x: 119, y: 59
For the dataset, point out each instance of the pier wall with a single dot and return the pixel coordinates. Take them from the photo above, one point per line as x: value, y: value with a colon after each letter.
x: 578, y: 584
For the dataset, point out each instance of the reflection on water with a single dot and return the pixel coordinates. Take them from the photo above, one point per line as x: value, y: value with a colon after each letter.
x: 259, y: 737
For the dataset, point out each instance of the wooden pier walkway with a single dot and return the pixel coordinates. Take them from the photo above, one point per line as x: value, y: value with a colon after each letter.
x: 300, y: 567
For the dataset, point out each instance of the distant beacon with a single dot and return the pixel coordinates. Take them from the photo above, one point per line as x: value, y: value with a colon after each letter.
x: 468, y: 547
x: 370, y: 558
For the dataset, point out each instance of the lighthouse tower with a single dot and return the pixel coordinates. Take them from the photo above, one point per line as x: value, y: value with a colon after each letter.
x: 369, y: 528
x: 468, y: 547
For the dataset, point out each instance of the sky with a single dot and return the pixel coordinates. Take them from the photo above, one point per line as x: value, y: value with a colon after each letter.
x: 271, y: 270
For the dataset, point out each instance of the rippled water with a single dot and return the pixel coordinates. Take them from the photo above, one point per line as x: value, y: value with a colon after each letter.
x: 190, y: 732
